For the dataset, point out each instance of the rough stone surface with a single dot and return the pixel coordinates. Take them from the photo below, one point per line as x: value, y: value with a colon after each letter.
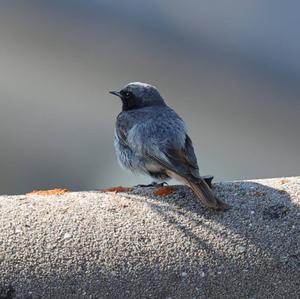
x: 137, y: 245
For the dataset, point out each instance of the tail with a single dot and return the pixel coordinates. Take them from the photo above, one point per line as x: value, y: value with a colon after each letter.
x: 206, y: 195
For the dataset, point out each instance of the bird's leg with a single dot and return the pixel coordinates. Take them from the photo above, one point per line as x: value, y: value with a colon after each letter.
x: 153, y: 184
x: 208, y: 180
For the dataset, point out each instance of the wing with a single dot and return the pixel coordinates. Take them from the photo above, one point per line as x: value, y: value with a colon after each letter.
x: 163, y: 140
x: 182, y: 162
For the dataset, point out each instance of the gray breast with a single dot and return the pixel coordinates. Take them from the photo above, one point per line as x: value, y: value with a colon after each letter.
x: 124, y: 154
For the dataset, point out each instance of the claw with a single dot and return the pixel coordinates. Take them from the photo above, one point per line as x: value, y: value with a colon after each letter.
x: 153, y: 184
x: 208, y: 180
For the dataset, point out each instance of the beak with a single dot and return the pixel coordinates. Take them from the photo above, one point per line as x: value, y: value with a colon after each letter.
x: 116, y: 93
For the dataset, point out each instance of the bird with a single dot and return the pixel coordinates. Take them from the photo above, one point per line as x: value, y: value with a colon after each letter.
x: 151, y: 138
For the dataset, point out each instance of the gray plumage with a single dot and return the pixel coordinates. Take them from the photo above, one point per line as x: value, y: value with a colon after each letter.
x: 152, y: 139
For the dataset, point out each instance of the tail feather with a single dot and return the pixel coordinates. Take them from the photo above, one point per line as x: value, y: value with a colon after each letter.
x: 206, y: 195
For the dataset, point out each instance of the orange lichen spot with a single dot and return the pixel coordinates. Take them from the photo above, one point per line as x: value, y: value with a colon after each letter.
x: 284, y: 181
x: 117, y: 189
x: 260, y: 194
x: 56, y: 191
x: 164, y: 191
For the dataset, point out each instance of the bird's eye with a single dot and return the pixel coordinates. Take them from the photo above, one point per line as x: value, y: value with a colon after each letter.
x: 127, y: 94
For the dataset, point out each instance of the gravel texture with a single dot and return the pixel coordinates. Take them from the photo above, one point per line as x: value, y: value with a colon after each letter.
x: 137, y: 245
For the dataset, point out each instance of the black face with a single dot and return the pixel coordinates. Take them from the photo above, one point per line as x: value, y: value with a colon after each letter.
x: 138, y: 95
x: 129, y: 100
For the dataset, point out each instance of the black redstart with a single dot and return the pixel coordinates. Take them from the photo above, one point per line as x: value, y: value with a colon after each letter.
x: 151, y: 138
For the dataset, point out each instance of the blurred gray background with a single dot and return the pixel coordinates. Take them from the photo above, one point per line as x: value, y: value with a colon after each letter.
x: 231, y: 69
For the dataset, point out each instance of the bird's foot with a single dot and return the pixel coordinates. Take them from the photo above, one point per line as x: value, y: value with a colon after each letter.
x: 208, y: 180
x: 153, y: 184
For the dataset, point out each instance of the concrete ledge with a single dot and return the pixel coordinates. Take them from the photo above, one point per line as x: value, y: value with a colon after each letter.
x: 137, y: 245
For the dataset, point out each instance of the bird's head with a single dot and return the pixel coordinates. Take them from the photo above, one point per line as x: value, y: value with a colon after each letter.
x: 138, y: 95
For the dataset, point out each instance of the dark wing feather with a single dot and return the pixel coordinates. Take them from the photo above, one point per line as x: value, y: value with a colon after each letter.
x: 190, y: 155
x: 183, y: 161
x: 187, y: 157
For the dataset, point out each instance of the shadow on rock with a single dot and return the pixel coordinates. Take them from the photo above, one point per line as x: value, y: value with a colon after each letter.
x: 254, y: 245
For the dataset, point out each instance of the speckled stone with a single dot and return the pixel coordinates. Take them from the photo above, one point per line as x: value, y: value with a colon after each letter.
x: 137, y: 245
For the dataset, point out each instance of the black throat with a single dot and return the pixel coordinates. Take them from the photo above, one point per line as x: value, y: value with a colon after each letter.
x: 132, y: 104
x: 126, y: 106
